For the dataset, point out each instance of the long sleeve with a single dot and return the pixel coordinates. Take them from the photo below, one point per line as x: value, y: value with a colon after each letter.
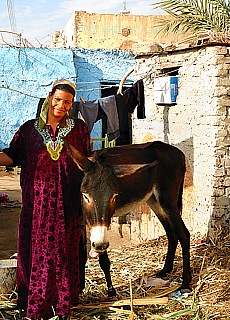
x: 16, y: 150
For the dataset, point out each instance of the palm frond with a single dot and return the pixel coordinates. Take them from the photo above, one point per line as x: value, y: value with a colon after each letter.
x: 195, y: 15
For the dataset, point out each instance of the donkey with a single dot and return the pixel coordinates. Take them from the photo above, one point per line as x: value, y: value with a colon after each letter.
x: 122, y: 178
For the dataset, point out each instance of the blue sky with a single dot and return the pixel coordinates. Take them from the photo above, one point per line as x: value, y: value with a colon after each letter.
x: 37, y: 19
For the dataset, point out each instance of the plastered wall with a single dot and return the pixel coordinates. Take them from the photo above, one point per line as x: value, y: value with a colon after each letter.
x: 112, y: 31
x: 26, y: 76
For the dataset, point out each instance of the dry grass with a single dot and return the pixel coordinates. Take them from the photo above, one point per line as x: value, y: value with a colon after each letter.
x: 133, y: 272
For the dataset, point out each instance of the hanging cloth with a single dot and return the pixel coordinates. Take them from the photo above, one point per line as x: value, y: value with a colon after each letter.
x: 89, y: 112
x: 136, y: 98
x: 109, y: 106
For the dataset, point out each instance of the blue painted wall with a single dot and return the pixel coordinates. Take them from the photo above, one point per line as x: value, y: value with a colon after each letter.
x: 95, y: 66
x: 26, y: 75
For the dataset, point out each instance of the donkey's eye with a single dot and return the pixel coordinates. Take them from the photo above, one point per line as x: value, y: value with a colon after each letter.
x: 85, y: 197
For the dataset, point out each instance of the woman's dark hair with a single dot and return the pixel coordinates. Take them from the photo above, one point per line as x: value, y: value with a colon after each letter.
x: 63, y: 87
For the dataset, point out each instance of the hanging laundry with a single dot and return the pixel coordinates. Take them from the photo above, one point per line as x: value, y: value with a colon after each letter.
x: 124, y: 119
x: 136, y: 98
x: 89, y: 112
x: 109, y: 106
x: 126, y: 104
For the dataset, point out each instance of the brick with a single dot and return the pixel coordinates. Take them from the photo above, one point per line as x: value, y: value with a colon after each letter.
x: 227, y: 182
x: 217, y: 192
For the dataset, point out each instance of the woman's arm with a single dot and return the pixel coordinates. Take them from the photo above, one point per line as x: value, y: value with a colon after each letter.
x: 5, y: 160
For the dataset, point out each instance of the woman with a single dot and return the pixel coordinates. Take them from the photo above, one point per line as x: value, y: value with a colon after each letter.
x: 48, y: 270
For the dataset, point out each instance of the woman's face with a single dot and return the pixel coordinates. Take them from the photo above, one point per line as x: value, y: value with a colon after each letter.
x: 60, y: 103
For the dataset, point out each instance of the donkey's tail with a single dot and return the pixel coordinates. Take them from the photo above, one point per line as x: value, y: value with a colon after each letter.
x: 179, y: 200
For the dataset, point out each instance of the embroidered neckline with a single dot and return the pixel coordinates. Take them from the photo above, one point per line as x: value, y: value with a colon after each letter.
x: 54, y: 145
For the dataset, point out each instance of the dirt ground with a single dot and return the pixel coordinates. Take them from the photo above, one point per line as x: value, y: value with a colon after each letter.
x: 9, y: 215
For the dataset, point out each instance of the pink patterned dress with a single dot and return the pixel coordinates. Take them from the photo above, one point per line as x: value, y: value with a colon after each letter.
x: 48, y: 278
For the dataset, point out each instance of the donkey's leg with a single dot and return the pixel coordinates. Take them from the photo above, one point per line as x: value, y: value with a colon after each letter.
x: 184, y: 238
x: 172, y: 245
x: 182, y: 233
x: 172, y: 237
x: 105, y: 266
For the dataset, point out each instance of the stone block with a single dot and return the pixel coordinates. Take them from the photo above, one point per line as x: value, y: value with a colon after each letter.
x: 227, y: 182
x: 218, y: 192
x: 142, y: 48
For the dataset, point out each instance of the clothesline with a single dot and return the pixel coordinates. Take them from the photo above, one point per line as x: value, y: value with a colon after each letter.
x: 116, y: 108
x: 113, y: 83
x: 98, y: 89
x: 78, y: 90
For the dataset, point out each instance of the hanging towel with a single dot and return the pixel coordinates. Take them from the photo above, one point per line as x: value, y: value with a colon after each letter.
x: 136, y: 98
x: 89, y: 112
x: 124, y: 119
x: 109, y: 106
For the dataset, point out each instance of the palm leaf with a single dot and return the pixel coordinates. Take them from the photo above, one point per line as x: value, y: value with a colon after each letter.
x: 194, y: 16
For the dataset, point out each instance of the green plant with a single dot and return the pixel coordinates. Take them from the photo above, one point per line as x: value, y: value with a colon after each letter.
x: 210, y: 17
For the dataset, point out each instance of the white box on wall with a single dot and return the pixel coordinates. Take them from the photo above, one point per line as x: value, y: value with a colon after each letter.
x: 165, y: 90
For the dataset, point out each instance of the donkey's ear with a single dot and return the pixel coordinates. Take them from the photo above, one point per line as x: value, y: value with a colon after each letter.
x: 83, y: 163
x: 121, y: 170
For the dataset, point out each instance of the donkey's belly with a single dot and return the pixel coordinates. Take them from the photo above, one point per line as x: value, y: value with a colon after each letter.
x: 123, y: 209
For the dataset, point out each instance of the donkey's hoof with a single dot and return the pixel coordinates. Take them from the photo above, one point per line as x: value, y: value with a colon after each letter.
x: 112, y: 292
x: 162, y: 274
x: 185, y: 289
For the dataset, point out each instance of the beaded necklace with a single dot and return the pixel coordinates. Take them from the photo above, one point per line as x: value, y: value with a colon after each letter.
x: 54, y: 144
